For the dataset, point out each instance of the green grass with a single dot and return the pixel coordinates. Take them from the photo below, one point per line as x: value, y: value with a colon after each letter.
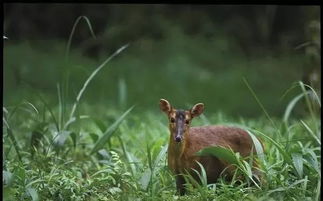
x: 131, y: 164
x: 72, y: 133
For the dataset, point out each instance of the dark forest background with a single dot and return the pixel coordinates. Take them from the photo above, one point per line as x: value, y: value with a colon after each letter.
x: 185, y: 53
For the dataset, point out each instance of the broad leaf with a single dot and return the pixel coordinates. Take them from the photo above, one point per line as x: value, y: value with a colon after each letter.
x: 219, y: 152
x: 298, y: 163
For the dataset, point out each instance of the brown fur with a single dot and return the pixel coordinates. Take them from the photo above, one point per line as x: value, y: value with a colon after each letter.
x: 181, y: 155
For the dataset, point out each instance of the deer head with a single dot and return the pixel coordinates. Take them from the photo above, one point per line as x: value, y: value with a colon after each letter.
x: 180, y: 120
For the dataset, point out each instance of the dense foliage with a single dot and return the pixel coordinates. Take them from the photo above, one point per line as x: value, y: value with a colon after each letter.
x: 81, y: 122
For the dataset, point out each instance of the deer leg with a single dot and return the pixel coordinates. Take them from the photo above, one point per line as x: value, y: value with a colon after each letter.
x: 180, y: 181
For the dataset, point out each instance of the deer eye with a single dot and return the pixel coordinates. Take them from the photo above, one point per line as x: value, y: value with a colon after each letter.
x: 172, y: 120
x: 187, y: 121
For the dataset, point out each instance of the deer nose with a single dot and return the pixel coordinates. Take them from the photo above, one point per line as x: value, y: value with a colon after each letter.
x: 178, y: 138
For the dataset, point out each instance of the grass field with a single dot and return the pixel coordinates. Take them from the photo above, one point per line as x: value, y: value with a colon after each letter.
x: 71, y: 132
x: 43, y: 162
x: 94, y: 152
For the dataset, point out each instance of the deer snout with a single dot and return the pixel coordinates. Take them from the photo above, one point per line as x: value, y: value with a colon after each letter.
x: 178, y: 139
x: 179, y: 134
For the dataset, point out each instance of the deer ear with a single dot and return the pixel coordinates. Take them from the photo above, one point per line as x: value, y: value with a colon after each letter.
x: 165, y: 106
x: 197, y: 109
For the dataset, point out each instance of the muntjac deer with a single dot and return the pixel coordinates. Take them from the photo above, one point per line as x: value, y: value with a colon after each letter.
x: 184, y: 142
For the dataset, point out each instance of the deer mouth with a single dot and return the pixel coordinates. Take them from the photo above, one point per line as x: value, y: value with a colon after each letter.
x: 178, y: 139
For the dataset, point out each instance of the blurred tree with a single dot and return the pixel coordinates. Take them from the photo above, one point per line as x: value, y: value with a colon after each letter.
x: 312, y: 72
x: 255, y: 28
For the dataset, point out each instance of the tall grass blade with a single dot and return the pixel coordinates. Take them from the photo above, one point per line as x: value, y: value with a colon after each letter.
x: 258, y: 146
x: 150, y: 165
x: 314, y: 162
x: 202, y: 175
x: 286, y: 188
x: 277, y: 145
x: 160, y: 156
x: 259, y: 103
x: 50, y: 111
x: 291, y: 105
x: 15, y: 143
x: 5, y: 122
x: 32, y: 106
x: 128, y: 157
x: 36, y: 135
x: 294, y: 85
x: 34, y: 182
x: 64, y: 96
x: 308, y: 102
x: 74, y: 139
x: 153, y: 167
x: 146, y: 177
x: 318, y: 190
x: 72, y: 120
x: 311, y: 132
x: 99, y: 123
x: 189, y: 179
x: 314, y: 93
x: 109, y: 132
x: 4, y: 110
x: 73, y: 30
x: 14, y: 110
x: 247, y: 169
x: 92, y: 76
